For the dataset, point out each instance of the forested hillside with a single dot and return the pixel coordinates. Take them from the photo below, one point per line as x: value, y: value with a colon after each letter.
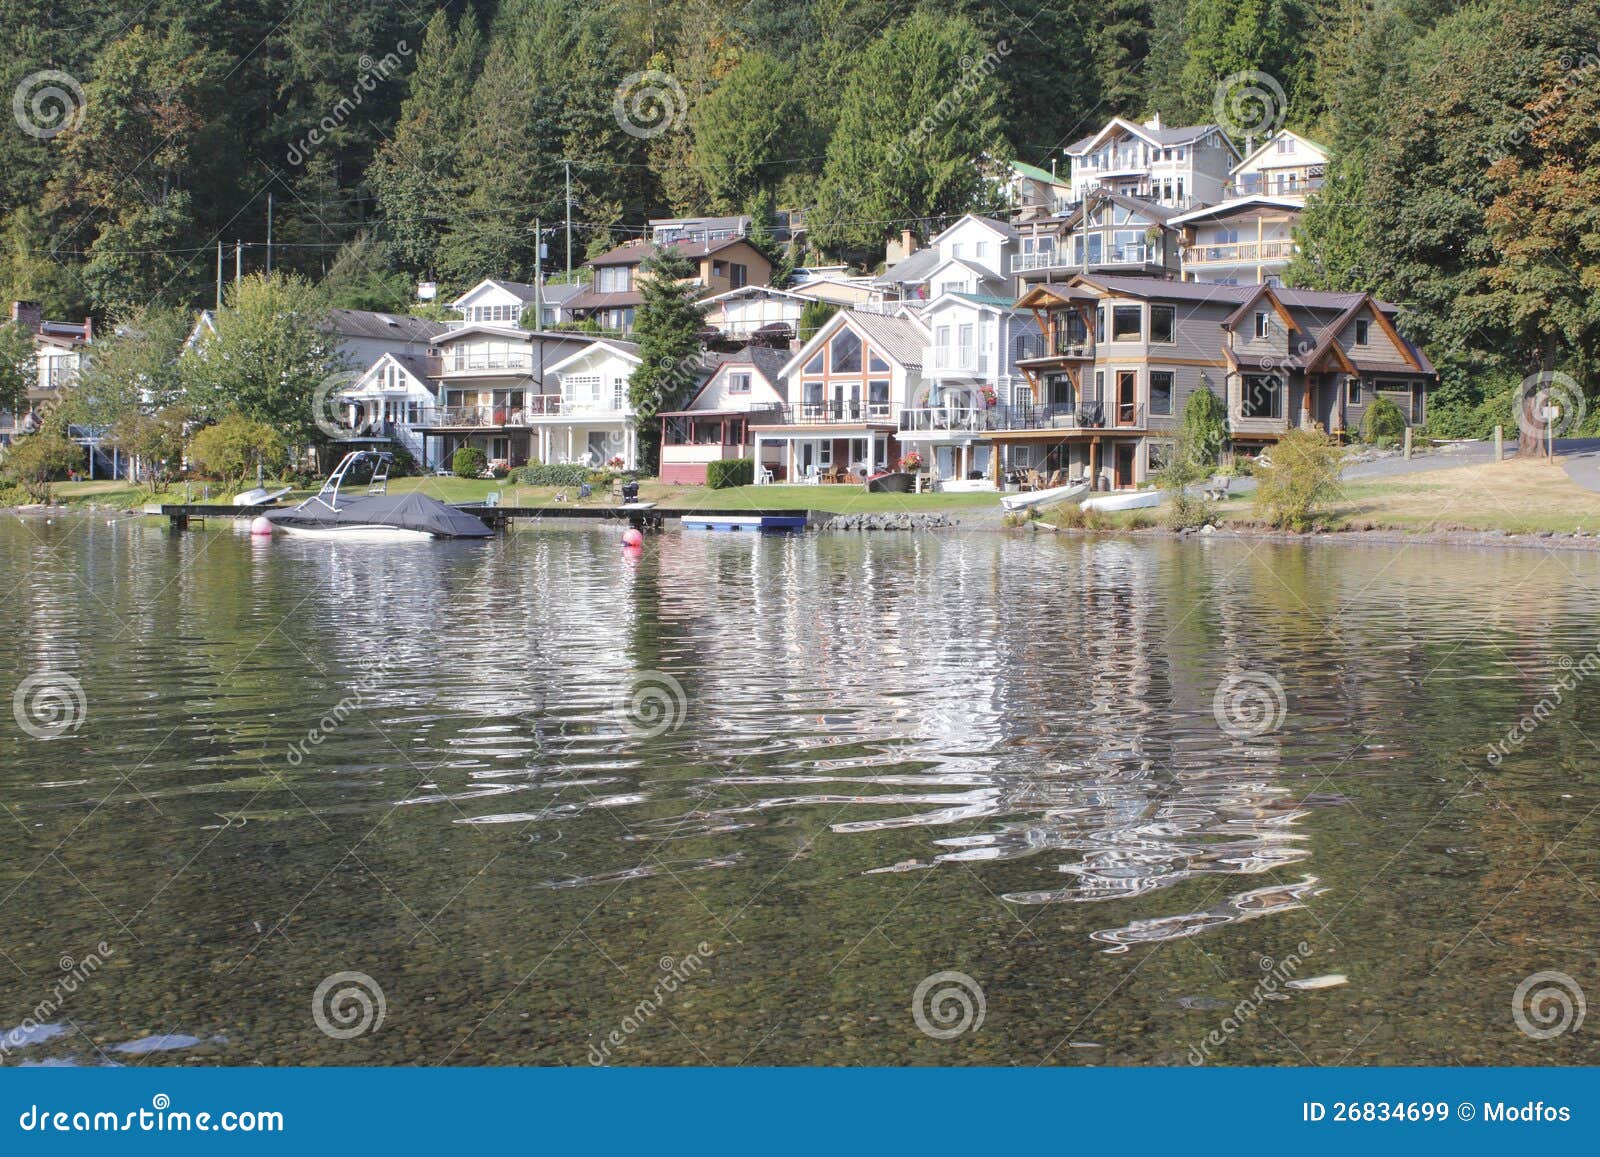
x: 406, y: 140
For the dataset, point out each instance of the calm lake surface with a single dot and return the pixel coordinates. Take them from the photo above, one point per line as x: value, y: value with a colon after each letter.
x: 732, y: 800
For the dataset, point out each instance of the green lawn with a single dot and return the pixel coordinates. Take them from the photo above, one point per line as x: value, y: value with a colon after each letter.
x: 833, y: 499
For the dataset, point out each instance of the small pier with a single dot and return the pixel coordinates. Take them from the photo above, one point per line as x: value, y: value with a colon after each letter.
x: 181, y: 515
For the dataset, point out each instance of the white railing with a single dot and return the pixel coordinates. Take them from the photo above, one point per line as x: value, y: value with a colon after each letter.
x: 1039, y: 259
x: 1239, y: 251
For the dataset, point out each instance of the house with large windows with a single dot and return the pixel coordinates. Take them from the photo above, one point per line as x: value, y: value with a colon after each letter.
x: 1177, y: 167
x: 389, y: 404
x: 1106, y: 233
x: 1120, y: 357
x: 60, y: 354
x: 844, y: 392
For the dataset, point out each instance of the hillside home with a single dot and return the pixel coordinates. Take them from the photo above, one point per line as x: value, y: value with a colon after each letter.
x: 615, y: 291
x: 1107, y: 233
x: 844, y: 390
x: 1285, y: 165
x: 365, y: 336
x: 744, y: 387
x: 665, y: 230
x: 1175, y: 167
x: 1246, y: 241
x: 389, y: 404
x: 755, y: 312
x: 1122, y: 355
x: 592, y: 419
x: 1034, y: 192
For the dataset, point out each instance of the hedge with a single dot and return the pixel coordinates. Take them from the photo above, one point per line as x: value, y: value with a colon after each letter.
x: 551, y: 474
x: 1383, y: 424
x: 468, y: 462
x: 730, y: 472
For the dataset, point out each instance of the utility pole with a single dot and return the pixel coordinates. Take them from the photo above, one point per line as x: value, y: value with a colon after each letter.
x: 219, y: 274
x: 569, y: 219
x: 269, y: 231
x: 538, y: 274
x: 238, y: 263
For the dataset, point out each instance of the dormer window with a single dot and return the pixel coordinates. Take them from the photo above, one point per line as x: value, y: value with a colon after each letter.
x: 1363, y: 331
x: 1263, y: 325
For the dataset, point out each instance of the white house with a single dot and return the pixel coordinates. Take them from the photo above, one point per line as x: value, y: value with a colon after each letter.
x: 845, y: 391
x: 1176, y: 167
x: 1286, y: 165
x: 745, y: 387
x: 366, y: 335
x: 593, y: 420
x: 494, y: 302
x: 754, y: 309
x: 970, y: 379
x: 391, y: 402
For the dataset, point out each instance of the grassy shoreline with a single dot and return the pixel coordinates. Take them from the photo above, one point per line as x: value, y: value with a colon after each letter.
x: 1514, y: 497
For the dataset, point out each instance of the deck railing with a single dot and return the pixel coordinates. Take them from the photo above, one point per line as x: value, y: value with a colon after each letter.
x: 827, y: 413
x: 1239, y: 251
x: 1067, y: 344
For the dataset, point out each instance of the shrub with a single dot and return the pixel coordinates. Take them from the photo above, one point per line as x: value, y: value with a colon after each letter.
x: 32, y: 461
x: 730, y: 472
x: 551, y: 474
x: 1205, y: 426
x: 1185, y: 467
x: 1301, y: 481
x: 1383, y: 424
x: 235, y: 446
x: 468, y: 462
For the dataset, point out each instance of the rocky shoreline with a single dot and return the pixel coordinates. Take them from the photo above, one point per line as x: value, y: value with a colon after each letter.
x: 889, y: 520
x: 1531, y: 540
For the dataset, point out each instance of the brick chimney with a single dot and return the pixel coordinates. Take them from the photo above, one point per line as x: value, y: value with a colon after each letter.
x: 28, y: 313
x: 88, y: 330
x: 908, y: 243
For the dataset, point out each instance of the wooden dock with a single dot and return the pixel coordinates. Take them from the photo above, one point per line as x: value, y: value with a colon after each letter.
x: 180, y: 515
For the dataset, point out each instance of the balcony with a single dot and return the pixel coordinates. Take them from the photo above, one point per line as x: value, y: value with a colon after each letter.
x: 1235, y: 253
x: 503, y: 416
x: 939, y: 419
x: 827, y: 414
x: 1065, y: 416
x: 464, y: 362
x: 1072, y: 343
x: 958, y: 360
x: 1288, y: 186
x: 1039, y: 259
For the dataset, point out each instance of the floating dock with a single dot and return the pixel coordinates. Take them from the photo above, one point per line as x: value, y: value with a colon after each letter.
x: 181, y: 515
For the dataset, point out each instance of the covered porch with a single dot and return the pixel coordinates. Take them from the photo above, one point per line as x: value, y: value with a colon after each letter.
x: 839, y: 453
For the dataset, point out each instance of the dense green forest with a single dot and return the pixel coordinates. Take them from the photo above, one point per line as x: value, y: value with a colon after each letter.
x: 399, y: 141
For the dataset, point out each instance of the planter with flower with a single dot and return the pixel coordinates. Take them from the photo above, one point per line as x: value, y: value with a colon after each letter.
x: 911, y: 461
x: 989, y: 394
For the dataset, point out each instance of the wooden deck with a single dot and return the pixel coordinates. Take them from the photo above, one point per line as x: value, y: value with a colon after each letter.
x: 496, y: 517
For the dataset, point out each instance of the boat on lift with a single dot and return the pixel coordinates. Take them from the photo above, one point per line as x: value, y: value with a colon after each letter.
x: 377, y: 515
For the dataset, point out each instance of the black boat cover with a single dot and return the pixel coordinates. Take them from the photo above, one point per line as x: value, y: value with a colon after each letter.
x: 405, y: 511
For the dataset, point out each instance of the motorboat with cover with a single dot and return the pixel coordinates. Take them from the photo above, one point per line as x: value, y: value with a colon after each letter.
x: 377, y: 516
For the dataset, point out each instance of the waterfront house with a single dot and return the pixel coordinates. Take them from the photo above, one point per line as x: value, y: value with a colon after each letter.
x: 745, y: 387
x: 615, y: 291
x: 1179, y: 168
x: 60, y: 354
x: 365, y: 335
x: 1245, y: 241
x: 968, y: 367
x: 844, y: 391
x: 1106, y: 233
x: 389, y: 404
x: 493, y: 382
x: 1285, y: 165
x: 592, y: 419
x: 1120, y: 356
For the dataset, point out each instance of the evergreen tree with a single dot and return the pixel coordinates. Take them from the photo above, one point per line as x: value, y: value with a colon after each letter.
x: 667, y: 328
x: 748, y: 131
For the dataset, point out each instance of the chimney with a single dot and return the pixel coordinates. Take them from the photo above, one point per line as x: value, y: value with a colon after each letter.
x: 1154, y: 122
x: 908, y: 243
x: 28, y: 313
x: 88, y: 330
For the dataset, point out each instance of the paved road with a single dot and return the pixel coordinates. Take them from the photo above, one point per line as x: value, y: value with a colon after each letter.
x: 1581, y: 457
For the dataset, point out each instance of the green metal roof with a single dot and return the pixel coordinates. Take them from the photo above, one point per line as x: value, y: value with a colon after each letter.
x: 1035, y: 173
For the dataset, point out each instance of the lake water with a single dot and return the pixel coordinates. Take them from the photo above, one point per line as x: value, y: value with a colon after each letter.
x: 740, y: 800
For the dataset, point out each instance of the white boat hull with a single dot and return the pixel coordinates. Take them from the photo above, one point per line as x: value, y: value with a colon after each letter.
x: 1126, y: 500
x: 1039, y: 499
x: 967, y: 486
x: 373, y: 533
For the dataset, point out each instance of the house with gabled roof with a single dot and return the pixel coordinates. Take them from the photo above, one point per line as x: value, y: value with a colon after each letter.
x: 1105, y: 233
x: 1179, y: 167
x: 1285, y: 165
x: 755, y: 312
x: 1121, y: 356
x: 844, y: 392
x: 745, y: 387
x: 615, y: 291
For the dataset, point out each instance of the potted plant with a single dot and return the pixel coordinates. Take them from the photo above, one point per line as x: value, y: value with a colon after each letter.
x: 911, y: 461
x: 989, y: 394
